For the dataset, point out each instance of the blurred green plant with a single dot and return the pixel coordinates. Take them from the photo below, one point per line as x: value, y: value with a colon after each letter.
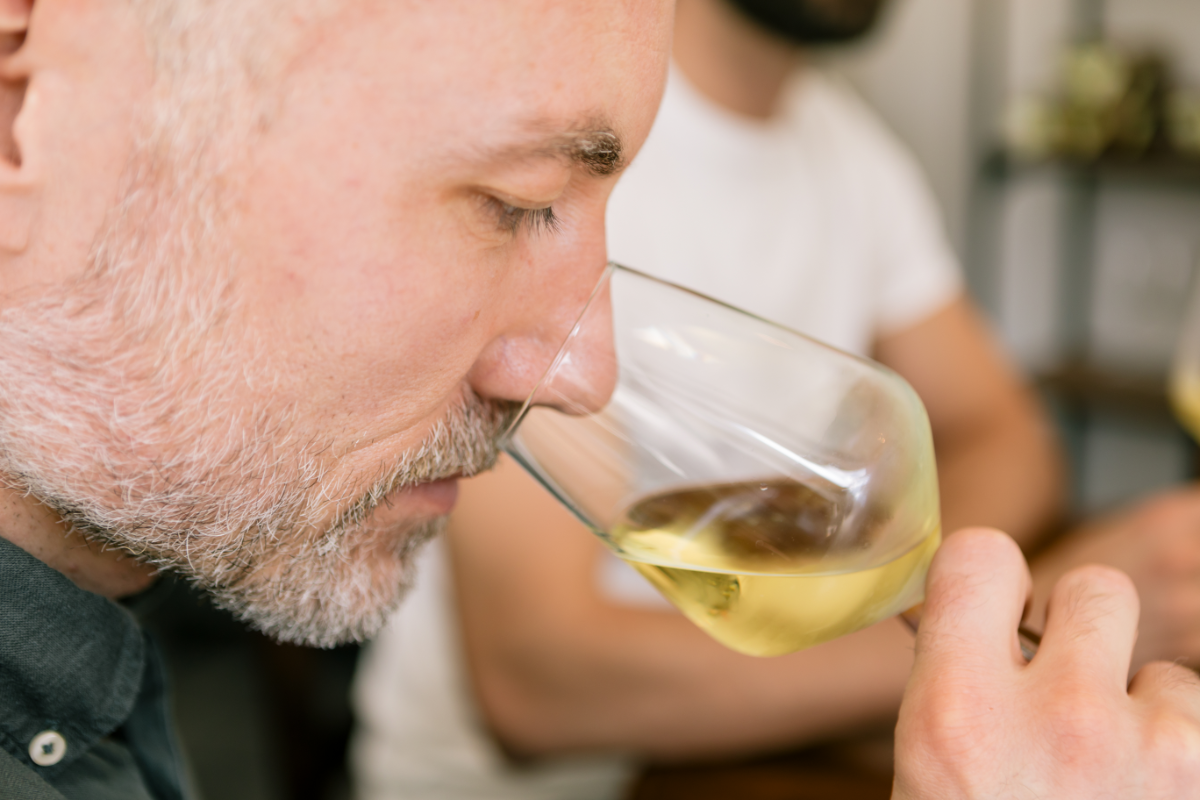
x: 1110, y: 102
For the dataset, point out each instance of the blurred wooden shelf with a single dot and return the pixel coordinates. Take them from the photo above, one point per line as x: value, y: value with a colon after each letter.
x: 1109, y: 390
x: 859, y: 768
x: 1152, y: 168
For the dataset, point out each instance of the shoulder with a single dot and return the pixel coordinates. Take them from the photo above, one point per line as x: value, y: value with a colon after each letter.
x: 826, y: 108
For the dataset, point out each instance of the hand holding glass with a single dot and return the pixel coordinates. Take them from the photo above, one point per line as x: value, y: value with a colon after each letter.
x: 780, y: 492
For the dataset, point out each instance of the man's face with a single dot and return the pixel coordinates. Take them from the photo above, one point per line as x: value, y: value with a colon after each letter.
x: 274, y: 379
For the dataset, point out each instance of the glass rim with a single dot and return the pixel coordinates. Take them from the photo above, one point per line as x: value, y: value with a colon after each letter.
x: 605, y: 276
x: 613, y: 267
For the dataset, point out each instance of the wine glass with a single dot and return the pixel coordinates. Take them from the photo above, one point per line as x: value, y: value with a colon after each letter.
x: 778, y: 491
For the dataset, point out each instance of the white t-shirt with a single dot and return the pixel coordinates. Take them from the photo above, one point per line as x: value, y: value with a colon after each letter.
x: 818, y: 220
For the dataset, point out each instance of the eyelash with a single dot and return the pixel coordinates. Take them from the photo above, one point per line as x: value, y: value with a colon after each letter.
x: 536, y: 220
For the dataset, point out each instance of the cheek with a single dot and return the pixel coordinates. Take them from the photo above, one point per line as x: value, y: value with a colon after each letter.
x: 374, y: 319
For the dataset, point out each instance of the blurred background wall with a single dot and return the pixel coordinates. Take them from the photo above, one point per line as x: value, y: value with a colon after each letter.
x: 1083, y: 264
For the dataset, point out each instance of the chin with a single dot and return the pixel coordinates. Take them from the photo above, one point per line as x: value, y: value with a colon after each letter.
x: 334, y: 593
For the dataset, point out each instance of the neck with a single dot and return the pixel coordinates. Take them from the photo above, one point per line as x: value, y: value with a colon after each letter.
x: 40, y: 532
x: 730, y: 60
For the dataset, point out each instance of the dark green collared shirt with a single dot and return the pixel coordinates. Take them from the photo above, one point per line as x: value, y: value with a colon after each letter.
x: 82, y: 698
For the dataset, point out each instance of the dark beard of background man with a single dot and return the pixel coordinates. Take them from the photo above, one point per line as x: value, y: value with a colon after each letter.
x: 812, y: 22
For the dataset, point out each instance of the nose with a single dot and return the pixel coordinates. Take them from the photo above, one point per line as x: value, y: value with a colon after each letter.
x: 584, y: 373
x: 563, y: 356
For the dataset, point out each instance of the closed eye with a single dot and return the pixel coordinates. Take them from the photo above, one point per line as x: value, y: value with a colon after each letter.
x: 537, y: 220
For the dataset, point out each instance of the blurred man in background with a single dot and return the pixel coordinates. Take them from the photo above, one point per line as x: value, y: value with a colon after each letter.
x: 767, y: 184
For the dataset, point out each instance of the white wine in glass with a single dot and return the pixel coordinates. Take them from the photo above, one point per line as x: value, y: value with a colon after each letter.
x: 748, y: 562
x: 779, y: 492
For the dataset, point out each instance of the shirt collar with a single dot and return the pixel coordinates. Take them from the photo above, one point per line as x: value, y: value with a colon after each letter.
x: 70, y: 661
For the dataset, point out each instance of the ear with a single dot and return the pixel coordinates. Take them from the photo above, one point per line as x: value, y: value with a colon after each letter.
x: 17, y: 176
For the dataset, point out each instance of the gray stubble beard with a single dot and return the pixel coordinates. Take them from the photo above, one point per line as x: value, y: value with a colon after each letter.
x: 130, y: 404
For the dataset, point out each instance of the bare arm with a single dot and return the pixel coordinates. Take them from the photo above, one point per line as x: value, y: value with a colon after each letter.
x: 998, y: 462
x: 556, y: 668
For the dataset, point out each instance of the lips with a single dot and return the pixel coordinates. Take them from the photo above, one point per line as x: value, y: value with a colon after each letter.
x: 435, y: 498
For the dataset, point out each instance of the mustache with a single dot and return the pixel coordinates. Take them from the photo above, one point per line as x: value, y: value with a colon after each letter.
x: 465, y: 442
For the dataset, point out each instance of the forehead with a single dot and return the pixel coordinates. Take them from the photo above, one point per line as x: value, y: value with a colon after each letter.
x: 462, y: 73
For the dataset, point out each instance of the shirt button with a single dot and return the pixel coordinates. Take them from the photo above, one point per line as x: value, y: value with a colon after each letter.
x: 47, y: 748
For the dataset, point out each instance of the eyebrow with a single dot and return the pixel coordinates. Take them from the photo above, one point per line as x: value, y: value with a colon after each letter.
x: 598, y: 150
x: 594, y: 146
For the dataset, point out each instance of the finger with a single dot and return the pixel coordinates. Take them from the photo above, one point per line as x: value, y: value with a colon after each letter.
x: 1091, y: 626
x: 1172, y: 685
x: 974, y: 598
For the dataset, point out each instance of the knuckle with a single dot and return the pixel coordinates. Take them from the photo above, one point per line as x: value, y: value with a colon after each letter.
x: 979, y: 546
x: 951, y: 726
x: 1100, y: 578
x: 1075, y: 714
x: 1169, y: 676
x: 1172, y: 738
x: 1084, y: 587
